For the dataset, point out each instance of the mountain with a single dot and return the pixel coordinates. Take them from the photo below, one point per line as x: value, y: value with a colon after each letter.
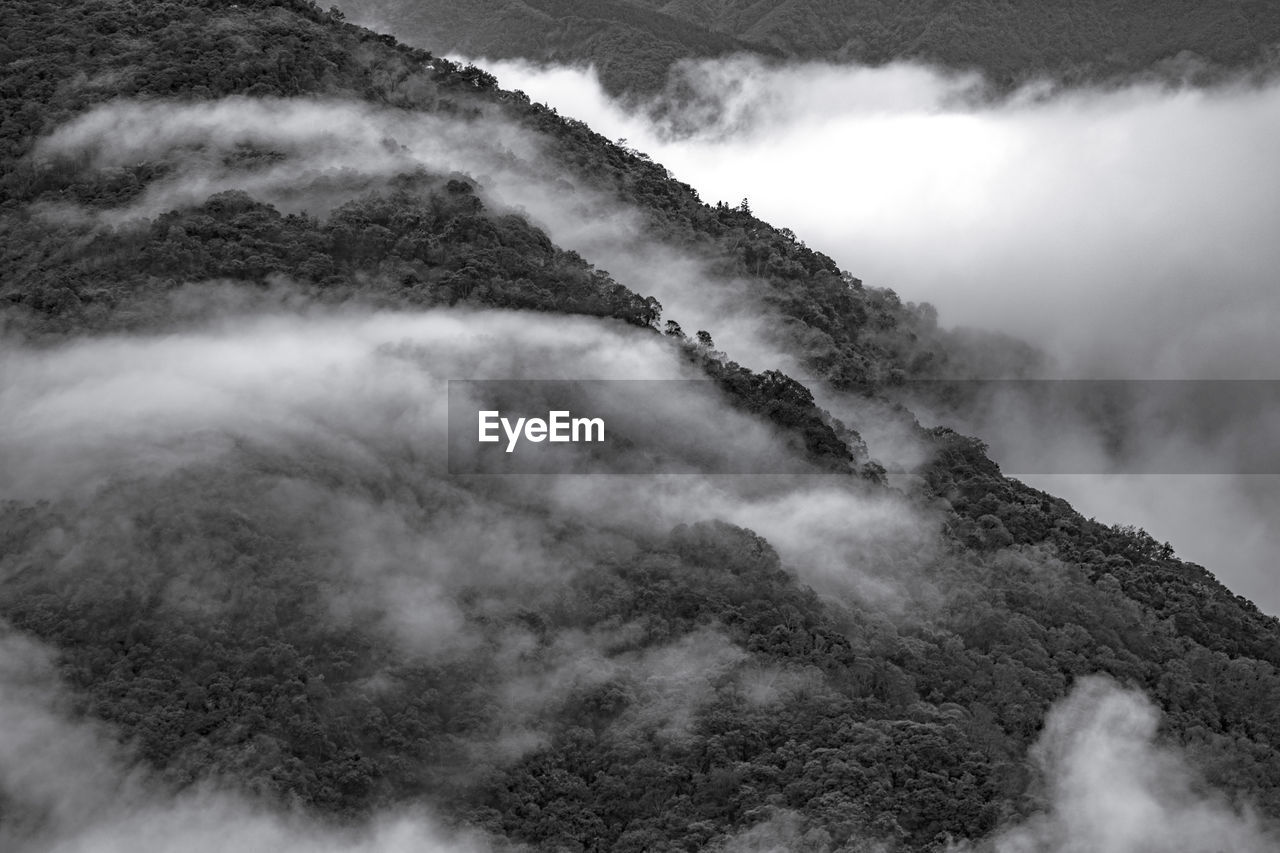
x: 246, y: 247
x: 1091, y: 42
x: 631, y: 45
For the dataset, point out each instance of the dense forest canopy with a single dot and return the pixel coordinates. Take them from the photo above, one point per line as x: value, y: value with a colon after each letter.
x: 245, y: 246
x: 633, y: 43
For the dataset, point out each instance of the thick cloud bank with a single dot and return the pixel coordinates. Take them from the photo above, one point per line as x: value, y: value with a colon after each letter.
x: 1129, y: 233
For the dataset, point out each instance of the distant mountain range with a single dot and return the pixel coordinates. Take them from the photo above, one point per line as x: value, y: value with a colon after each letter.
x: 632, y: 43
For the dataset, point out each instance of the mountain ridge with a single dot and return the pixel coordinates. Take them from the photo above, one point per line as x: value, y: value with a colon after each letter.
x: 1088, y: 43
x: 194, y: 610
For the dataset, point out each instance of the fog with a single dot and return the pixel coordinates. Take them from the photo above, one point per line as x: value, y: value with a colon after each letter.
x: 1126, y: 232
x: 1107, y: 783
x: 333, y: 151
x: 1077, y: 221
x: 328, y: 429
x: 1129, y: 233
x: 1108, y: 786
x: 1112, y: 788
x: 69, y: 787
x: 363, y: 395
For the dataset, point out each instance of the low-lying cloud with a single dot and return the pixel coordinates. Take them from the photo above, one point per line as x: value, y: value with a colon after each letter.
x: 340, y: 420
x: 1127, y: 232
x: 330, y: 151
x: 1112, y: 788
x: 327, y: 429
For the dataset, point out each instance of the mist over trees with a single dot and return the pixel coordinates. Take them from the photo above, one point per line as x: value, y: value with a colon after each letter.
x: 227, y: 523
x: 633, y: 44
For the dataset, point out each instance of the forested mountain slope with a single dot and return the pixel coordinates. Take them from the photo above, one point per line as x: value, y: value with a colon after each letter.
x: 1010, y: 43
x: 631, y: 45
x: 241, y: 259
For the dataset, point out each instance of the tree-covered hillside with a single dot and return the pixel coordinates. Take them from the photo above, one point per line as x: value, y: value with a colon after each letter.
x: 631, y: 45
x: 251, y: 568
x: 1011, y: 43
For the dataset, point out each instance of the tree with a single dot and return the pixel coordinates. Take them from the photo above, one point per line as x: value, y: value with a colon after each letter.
x: 652, y: 311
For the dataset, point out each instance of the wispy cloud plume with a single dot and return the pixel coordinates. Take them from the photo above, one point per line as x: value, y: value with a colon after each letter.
x: 1113, y: 788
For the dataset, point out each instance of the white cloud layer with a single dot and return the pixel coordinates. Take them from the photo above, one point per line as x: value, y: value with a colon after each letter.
x: 1130, y: 233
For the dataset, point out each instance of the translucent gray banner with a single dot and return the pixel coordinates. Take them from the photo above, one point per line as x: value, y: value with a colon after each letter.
x: 1111, y: 426
x: 627, y: 426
